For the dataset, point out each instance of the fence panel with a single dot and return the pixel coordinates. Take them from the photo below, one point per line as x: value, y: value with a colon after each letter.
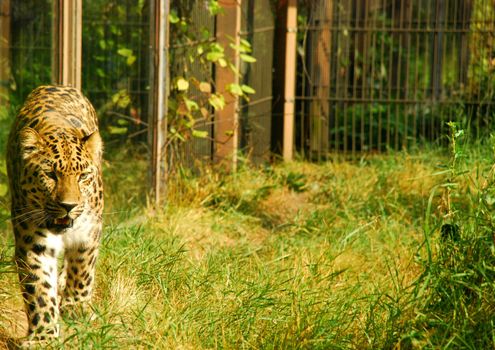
x: 26, y: 48
x: 258, y: 29
x: 383, y: 74
x: 115, y: 69
x: 183, y: 53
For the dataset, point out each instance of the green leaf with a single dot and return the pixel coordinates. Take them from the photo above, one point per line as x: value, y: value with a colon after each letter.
x: 222, y: 62
x: 214, y: 7
x: 217, y: 101
x: 247, y: 58
x: 239, y: 48
x: 115, y: 130
x: 245, y: 43
x: 121, y: 99
x: 214, y: 56
x: 248, y: 89
x: 205, y: 87
x: 173, y: 17
x: 190, y: 104
x: 100, y: 72
x: 173, y: 132
x: 205, y: 34
x: 125, y: 52
x: 182, y: 84
x: 235, y: 89
x: 130, y: 60
x: 200, y: 134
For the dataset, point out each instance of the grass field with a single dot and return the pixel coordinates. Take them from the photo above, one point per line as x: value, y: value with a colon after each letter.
x: 341, y: 255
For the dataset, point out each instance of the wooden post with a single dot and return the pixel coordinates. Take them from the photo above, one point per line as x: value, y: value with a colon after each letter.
x: 290, y: 80
x: 227, y: 120
x: 68, y: 43
x: 320, y: 108
x: 157, y: 133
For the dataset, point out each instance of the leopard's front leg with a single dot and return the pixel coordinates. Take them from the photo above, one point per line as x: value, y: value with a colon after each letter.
x: 79, y: 266
x: 36, y: 258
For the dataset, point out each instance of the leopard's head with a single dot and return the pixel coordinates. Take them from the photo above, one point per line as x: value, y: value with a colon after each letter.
x: 59, y: 174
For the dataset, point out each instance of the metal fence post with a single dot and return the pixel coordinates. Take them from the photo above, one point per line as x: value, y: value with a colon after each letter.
x: 290, y: 80
x: 68, y: 42
x: 227, y: 120
x: 158, y: 95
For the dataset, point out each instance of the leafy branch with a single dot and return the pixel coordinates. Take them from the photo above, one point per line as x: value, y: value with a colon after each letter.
x: 194, y: 97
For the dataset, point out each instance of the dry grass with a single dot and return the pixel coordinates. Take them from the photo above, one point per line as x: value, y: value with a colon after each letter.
x: 294, y: 256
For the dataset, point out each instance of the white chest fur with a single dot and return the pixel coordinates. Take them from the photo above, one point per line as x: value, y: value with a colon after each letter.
x: 80, y: 232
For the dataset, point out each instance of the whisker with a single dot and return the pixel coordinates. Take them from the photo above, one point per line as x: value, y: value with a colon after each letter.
x: 29, y: 212
x: 115, y: 212
x: 36, y: 215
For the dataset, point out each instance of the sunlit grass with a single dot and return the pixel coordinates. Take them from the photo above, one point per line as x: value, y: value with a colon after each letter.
x: 289, y: 256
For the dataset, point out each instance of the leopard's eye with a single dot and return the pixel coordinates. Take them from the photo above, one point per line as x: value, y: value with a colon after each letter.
x: 52, y: 175
x: 84, y: 176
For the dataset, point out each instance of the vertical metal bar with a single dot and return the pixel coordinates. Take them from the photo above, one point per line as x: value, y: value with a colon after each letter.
x: 372, y: 92
x: 159, y: 32
x: 445, y: 65
x: 364, y: 70
x: 466, y: 14
x: 415, y: 96
x: 455, y: 44
x: 382, y: 67
x: 338, y: 91
x: 489, y: 26
x: 304, y: 82
x: 390, y: 75
x: 436, y: 65
x: 398, y: 89
x: 331, y: 104
x: 355, y: 52
x: 426, y: 82
x: 460, y: 27
x: 345, y: 81
x: 407, y: 70
x: 313, y: 82
x: 290, y: 80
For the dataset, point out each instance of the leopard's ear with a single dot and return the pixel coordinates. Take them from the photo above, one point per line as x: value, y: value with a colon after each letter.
x: 30, y: 142
x: 94, y: 146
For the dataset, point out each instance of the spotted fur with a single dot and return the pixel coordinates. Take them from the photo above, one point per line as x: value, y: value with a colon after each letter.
x: 54, y: 166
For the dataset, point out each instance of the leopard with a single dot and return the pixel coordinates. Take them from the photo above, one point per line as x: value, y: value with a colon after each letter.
x: 54, y: 166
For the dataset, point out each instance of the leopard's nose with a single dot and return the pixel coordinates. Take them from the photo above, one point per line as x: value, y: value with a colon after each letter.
x: 68, y: 206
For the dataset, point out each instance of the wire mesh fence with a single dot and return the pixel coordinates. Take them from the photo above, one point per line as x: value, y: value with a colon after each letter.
x: 257, y: 28
x: 184, y: 47
x: 115, y: 69
x: 383, y: 74
x: 372, y: 75
x: 26, y: 47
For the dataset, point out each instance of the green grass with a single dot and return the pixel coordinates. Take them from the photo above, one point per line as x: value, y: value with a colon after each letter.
x: 341, y: 255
